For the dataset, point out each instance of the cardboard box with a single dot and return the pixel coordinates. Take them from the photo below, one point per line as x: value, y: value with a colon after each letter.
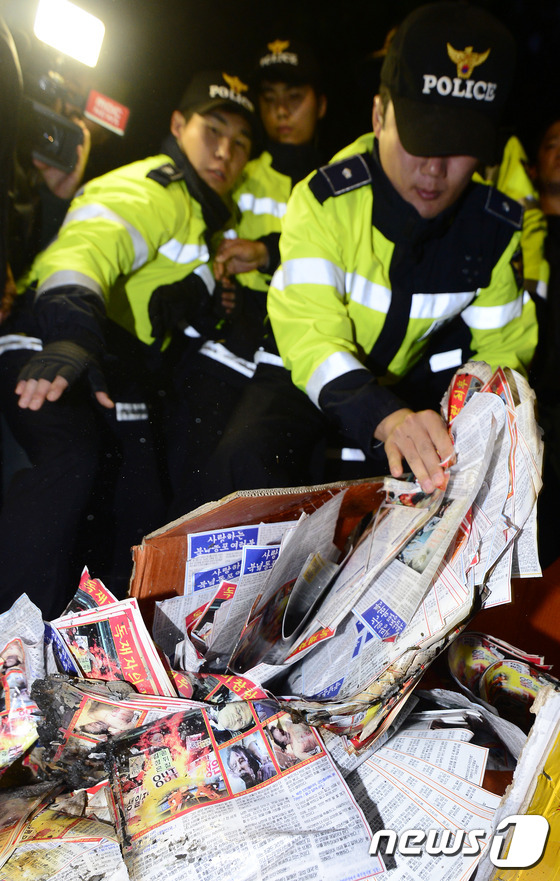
x: 159, y: 562
x: 530, y: 621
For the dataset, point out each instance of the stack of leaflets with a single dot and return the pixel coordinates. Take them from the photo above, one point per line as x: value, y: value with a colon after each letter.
x: 343, y: 636
x: 273, y: 729
x: 111, y: 642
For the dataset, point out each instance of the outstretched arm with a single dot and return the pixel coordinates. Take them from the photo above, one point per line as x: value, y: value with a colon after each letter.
x: 71, y: 320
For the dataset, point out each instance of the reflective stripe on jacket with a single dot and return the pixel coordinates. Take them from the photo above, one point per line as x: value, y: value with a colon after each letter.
x: 365, y: 281
x: 262, y: 196
x: 124, y: 235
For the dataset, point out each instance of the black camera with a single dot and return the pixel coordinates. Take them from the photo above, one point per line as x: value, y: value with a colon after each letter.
x: 48, y: 136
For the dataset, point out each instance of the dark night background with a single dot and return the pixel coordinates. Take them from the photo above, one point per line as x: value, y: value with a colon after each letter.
x: 152, y: 47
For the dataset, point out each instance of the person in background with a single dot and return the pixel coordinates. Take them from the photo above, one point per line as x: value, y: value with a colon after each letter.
x: 40, y: 196
x: 545, y: 373
x: 545, y: 172
x: 10, y: 108
x: 386, y: 251
x: 125, y: 234
x: 10, y: 103
x: 42, y: 192
x: 514, y: 178
x: 291, y: 101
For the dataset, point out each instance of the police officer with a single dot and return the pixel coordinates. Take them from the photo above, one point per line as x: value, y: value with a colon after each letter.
x: 291, y: 102
x: 546, y: 366
x: 125, y: 234
x: 288, y: 85
x: 381, y: 249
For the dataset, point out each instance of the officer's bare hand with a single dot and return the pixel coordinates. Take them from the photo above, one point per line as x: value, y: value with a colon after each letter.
x: 48, y: 373
x: 420, y: 438
x: 228, y: 290
x: 34, y: 392
x: 239, y: 255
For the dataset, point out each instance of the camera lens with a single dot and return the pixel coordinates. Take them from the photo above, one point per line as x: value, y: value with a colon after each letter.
x: 51, y: 140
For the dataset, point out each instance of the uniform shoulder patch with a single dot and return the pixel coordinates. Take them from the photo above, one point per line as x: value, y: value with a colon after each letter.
x: 165, y: 174
x: 340, y: 177
x: 500, y: 205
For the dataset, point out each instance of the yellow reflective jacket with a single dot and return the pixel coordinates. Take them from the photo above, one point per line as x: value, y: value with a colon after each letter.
x: 125, y: 234
x: 365, y: 282
x: 261, y: 195
x: 512, y: 178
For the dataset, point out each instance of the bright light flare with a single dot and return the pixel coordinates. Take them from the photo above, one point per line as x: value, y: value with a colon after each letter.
x: 70, y: 30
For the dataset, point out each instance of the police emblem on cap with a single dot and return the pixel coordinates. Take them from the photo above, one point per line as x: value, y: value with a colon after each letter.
x: 235, y: 83
x: 278, y: 46
x: 462, y: 86
x: 278, y: 54
x: 466, y: 60
x: 232, y: 91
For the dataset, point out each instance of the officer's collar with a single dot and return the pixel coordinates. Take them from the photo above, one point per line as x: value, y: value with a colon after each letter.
x: 396, y: 218
x: 216, y: 212
x: 294, y: 160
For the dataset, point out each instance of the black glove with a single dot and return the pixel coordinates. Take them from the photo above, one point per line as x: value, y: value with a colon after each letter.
x: 179, y: 304
x: 66, y: 359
